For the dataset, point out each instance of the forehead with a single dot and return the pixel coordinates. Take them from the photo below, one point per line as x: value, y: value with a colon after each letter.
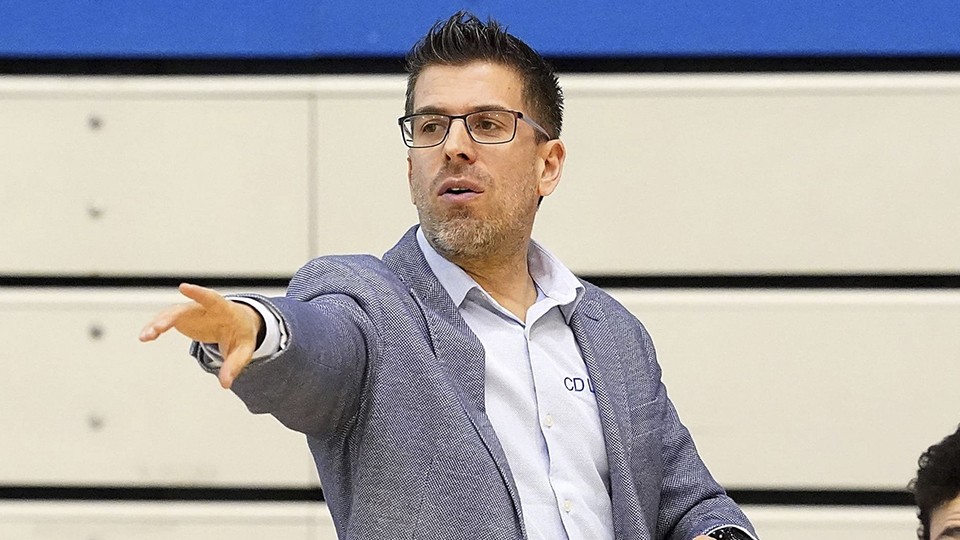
x: 459, y: 89
x: 944, y: 518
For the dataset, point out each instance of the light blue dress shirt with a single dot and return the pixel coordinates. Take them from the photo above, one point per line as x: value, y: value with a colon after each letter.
x: 539, y: 398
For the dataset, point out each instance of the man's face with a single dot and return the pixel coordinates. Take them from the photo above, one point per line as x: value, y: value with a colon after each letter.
x: 477, y: 200
x: 945, y: 521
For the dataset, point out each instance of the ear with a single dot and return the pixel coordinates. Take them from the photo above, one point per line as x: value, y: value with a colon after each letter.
x: 551, y: 153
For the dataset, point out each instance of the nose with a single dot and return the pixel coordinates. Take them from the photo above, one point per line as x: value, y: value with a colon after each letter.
x: 459, y: 146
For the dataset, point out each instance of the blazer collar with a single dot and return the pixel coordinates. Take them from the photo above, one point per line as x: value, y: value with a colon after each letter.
x: 457, y: 348
x: 455, y: 345
x: 601, y: 354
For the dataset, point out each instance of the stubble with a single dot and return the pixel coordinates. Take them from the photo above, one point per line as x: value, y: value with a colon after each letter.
x: 462, y: 233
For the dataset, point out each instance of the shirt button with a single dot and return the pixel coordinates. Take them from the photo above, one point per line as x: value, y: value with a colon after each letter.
x: 548, y: 421
x: 567, y: 506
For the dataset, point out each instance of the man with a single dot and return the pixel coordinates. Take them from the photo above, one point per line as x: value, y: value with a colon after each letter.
x: 937, y: 490
x: 431, y: 383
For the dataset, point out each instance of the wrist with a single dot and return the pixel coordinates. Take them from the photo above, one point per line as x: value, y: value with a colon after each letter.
x: 255, y: 321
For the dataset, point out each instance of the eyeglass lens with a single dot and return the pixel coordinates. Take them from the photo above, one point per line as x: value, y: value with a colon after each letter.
x: 488, y: 127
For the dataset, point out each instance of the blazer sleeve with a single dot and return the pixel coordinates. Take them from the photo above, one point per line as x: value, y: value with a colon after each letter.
x: 313, y: 385
x: 691, y: 502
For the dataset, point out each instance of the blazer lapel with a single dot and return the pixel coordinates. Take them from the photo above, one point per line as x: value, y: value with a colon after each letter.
x: 457, y: 348
x: 598, y: 347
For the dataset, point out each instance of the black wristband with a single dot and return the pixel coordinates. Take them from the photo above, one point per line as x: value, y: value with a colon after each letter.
x: 729, y: 533
x: 262, y: 333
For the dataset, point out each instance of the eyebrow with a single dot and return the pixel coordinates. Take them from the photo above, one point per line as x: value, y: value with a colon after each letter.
x: 440, y: 110
x: 950, y: 532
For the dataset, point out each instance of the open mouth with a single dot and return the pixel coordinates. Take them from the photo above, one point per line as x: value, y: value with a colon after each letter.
x: 459, y: 189
x: 458, y: 195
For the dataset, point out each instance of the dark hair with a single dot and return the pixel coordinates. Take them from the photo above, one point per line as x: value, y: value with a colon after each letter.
x: 937, y: 481
x: 463, y: 38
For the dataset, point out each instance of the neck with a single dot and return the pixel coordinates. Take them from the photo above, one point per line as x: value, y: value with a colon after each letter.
x: 505, y: 276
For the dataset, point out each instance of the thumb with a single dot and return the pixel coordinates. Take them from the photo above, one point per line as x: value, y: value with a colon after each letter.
x: 235, y: 359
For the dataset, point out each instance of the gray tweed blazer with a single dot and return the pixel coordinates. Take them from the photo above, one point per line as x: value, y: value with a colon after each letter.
x: 386, y: 380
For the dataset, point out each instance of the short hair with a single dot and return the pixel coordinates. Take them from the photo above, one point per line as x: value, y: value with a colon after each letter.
x: 937, y: 481
x: 463, y: 38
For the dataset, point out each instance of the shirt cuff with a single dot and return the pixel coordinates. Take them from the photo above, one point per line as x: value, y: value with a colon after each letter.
x: 274, y: 339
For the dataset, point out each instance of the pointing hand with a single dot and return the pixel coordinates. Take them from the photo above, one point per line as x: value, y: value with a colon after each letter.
x: 211, y: 318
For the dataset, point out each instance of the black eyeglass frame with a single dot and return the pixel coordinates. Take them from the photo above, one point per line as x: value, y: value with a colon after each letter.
x: 517, y: 115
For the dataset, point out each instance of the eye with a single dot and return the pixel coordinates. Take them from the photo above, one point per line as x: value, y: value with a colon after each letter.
x: 429, y: 126
x: 488, y: 123
x: 485, y: 125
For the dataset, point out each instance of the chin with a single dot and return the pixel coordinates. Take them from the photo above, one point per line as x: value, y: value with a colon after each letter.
x: 466, y: 236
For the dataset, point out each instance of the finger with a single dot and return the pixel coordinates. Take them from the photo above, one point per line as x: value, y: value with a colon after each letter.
x: 207, y: 298
x: 163, y: 322
x: 235, y: 359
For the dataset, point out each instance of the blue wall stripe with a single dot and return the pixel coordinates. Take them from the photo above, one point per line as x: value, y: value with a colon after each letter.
x: 318, y: 28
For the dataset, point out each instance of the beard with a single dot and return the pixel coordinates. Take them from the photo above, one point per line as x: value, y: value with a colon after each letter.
x: 463, y: 237
x: 462, y: 232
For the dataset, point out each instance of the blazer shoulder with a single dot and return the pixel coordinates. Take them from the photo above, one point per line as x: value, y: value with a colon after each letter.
x: 363, y: 276
x: 618, y: 315
x: 605, y: 300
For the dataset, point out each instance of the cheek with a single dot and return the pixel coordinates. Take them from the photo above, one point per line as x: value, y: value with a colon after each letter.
x: 417, y: 174
x: 421, y: 186
x: 422, y: 167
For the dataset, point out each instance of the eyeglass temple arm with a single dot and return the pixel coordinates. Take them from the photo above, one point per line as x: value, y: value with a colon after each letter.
x: 533, y: 124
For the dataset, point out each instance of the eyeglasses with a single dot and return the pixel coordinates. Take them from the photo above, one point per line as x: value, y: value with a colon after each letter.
x: 424, y: 130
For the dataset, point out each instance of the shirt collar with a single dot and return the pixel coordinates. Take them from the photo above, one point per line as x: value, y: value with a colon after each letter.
x: 553, y: 279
